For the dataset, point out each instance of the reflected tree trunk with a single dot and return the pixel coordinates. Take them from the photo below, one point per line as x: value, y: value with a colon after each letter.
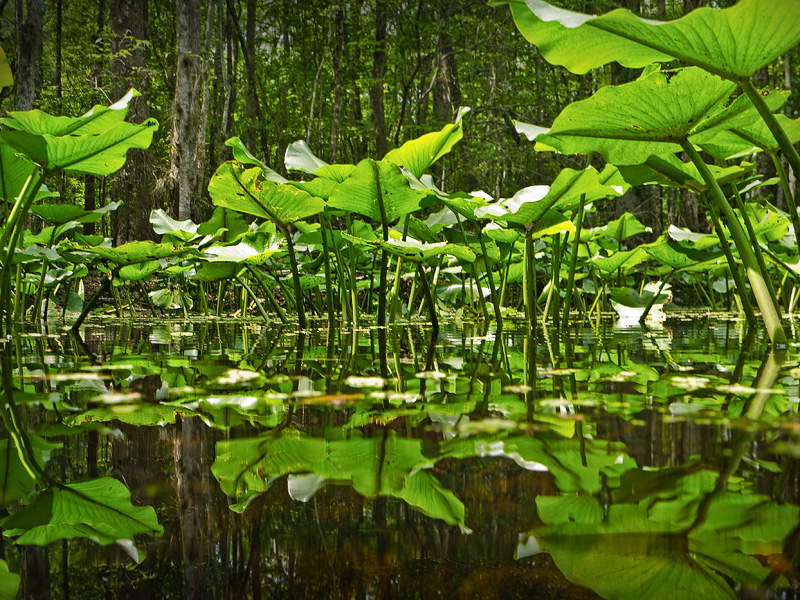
x: 190, y: 461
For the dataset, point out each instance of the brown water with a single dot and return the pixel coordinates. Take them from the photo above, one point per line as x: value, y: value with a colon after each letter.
x: 609, y: 462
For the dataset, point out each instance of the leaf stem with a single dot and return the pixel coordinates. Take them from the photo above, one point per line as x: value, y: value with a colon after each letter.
x: 768, y: 310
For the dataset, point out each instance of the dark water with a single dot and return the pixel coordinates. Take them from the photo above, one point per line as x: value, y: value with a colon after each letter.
x: 402, y: 463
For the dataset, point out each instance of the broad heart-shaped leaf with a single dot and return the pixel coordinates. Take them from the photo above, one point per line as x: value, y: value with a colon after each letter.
x: 416, y: 251
x: 9, y: 582
x: 14, y: 172
x: 676, y: 256
x: 163, y: 224
x: 99, y: 509
x: 132, y: 252
x: 632, y: 298
x: 733, y: 43
x: 418, y: 155
x: 6, y: 78
x: 359, y: 192
x: 244, y: 156
x: 669, y: 170
x: 97, y: 121
x: 530, y: 204
x: 244, y: 191
x: 65, y: 213
x: 628, y: 124
x: 299, y: 157
x: 619, y: 229
x: 15, y: 481
x: 747, y: 138
x: 385, y: 465
x: 87, y: 154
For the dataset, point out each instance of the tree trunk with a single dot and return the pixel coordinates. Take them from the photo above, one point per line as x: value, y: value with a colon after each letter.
x: 337, y: 84
x: 446, y: 92
x: 134, y: 184
x: 29, y: 48
x: 378, y: 73
x: 185, y: 171
x: 248, y: 48
x: 358, y: 144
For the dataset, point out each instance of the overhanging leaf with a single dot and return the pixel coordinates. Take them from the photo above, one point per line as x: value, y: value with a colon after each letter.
x: 733, y: 43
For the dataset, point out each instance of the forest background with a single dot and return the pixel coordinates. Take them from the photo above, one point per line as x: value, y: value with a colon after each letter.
x: 354, y: 78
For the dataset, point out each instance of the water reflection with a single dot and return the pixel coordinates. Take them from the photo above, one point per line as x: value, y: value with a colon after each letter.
x: 399, y: 462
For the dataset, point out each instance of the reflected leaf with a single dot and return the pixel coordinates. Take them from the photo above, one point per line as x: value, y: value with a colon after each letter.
x: 99, y: 509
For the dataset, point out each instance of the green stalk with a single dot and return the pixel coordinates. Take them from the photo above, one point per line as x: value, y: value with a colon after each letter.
x: 492, y: 290
x: 756, y: 247
x: 650, y: 304
x: 775, y: 128
x: 787, y: 191
x: 298, y: 292
x: 529, y: 281
x: 328, y: 279
x: 742, y: 294
x: 572, y: 264
x: 268, y: 293
x: 260, y: 308
x: 353, y: 282
x: 768, y: 311
x: 396, y: 285
x: 428, y: 297
x: 384, y: 254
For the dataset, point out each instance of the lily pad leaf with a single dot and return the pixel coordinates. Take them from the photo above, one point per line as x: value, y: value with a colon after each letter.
x: 418, y: 155
x: 244, y: 156
x: 299, y: 157
x: 733, y: 43
x: 86, y: 154
x: 99, y: 509
x: 359, y: 192
x: 243, y: 190
x: 415, y: 251
x: 9, y: 582
x: 627, y: 124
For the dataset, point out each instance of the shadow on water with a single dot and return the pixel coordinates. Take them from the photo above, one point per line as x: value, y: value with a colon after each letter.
x: 230, y: 460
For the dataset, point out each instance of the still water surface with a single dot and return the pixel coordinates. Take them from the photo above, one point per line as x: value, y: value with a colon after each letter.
x: 611, y: 462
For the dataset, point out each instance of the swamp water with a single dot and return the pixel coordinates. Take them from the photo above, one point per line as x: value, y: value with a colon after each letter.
x: 401, y: 463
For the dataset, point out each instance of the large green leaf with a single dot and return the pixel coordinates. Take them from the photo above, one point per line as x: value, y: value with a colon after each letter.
x: 416, y: 251
x: 652, y: 116
x: 418, y: 155
x: 9, y: 582
x: 244, y: 191
x: 530, y: 204
x: 90, y: 154
x: 733, y: 43
x: 6, y: 78
x: 359, y: 192
x: 669, y: 170
x: 132, y: 252
x: 97, y: 121
x: 99, y: 509
x: 15, y: 481
x: 386, y: 465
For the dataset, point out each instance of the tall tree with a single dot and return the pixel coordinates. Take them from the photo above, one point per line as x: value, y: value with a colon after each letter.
x: 378, y: 73
x: 30, y: 24
x: 134, y: 184
x: 185, y: 170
